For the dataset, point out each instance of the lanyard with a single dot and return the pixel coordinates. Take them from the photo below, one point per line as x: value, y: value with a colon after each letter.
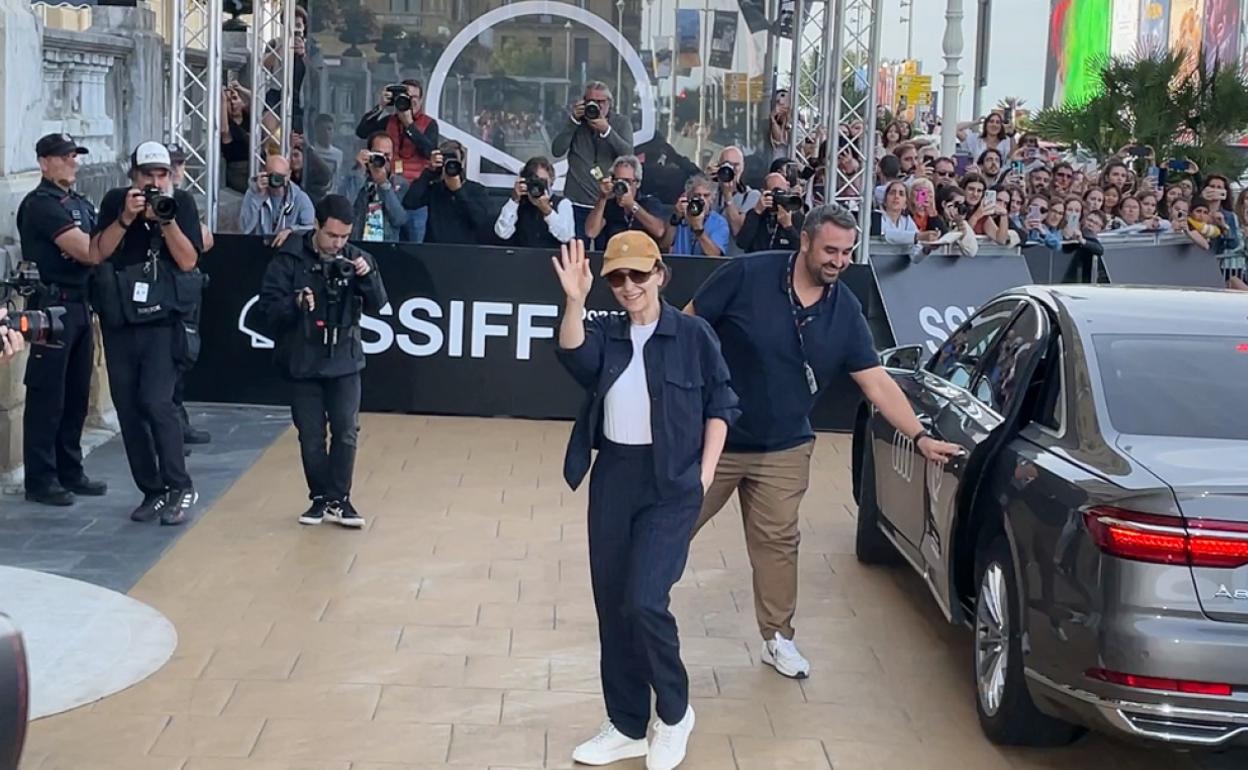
x: 812, y: 382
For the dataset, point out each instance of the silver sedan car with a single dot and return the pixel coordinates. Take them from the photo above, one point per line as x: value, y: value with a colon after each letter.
x: 1095, y: 533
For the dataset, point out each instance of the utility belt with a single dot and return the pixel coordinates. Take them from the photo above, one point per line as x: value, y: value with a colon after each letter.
x: 53, y: 294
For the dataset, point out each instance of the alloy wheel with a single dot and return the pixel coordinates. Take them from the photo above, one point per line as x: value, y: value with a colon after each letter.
x: 992, y: 638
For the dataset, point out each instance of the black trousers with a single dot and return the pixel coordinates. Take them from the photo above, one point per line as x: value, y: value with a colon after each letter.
x: 638, y: 546
x: 333, y: 403
x: 58, y: 389
x: 141, y: 374
x: 179, y: 387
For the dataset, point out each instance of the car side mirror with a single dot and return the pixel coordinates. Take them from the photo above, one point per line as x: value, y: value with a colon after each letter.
x: 907, y: 357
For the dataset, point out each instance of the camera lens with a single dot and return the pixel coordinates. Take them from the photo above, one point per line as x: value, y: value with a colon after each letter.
x: 277, y: 180
x: 696, y: 207
x: 164, y: 206
x: 725, y: 173
x: 453, y: 166
x: 377, y: 160
x: 537, y: 187
x: 620, y: 188
x: 38, y: 327
x: 592, y: 110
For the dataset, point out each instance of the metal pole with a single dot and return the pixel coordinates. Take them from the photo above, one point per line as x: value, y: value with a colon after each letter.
x: 212, y: 131
x: 953, y: 54
x: 868, y: 137
x: 833, y: 42
x: 705, y: 53
x: 769, y: 82
x: 799, y: 20
x: 983, y: 34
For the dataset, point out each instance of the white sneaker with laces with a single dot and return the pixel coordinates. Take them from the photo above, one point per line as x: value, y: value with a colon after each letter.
x: 782, y: 654
x: 608, y: 746
x: 667, y: 749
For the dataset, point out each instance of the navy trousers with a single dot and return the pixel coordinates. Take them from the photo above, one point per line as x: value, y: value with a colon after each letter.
x: 638, y: 546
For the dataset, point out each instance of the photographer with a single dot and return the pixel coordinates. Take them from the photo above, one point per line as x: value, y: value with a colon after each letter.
x: 733, y: 197
x: 274, y: 205
x: 621, y: 207
x: 695, y: 229
x: 775, y: 222
x: 459, y: 209
x: 376, y: 193
x: 149, y: 234
x: 11, y: 343
x: 593, y: 138
x: 312, y: 297
x: 414, y: 136
x: 534, y: 217
x: 54, y: 223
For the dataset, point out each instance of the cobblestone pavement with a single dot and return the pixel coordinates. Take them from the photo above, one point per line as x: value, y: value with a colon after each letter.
x: 457, y: 631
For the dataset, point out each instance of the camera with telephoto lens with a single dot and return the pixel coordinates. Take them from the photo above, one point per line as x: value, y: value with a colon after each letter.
x: 536, y: 187
x: 164, y: 206
x: 592, y: 111
x: 785, y: 199
x: 377, y: 160
x: 725, y: 173
x: 277, y: 181
x: 337, y: 273
x: 620, y: 188
x: 695, y: 207
x: 452, y: 165
x: 39, y: 327
x: 399, y: 97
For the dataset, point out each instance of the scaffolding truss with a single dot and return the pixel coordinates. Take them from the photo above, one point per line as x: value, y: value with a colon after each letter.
x: 195, y: 97
x: 850, y: 97
x: 272, y: 79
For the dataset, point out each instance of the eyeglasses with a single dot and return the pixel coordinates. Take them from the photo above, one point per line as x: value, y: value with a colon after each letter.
x: 638, y: 277
x: 945, y: 174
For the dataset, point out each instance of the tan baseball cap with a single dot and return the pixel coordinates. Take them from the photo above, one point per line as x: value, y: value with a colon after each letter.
x: 631, y: 250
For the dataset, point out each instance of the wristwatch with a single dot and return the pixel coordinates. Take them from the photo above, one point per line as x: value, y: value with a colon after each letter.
x: 635, y: 207
x: 922, y: 434
x: 698, y: 233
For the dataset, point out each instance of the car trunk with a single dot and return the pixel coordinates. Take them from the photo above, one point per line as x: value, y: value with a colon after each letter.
x: 1210, y: 481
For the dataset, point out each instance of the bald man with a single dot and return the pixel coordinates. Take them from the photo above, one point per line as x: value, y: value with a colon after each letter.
x: 274, y: 205
x: 733, y: 198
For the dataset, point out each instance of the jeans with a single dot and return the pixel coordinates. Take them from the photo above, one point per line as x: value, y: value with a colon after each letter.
x: 417, y: 220
x: 314, y: 405
x: 638, y: 546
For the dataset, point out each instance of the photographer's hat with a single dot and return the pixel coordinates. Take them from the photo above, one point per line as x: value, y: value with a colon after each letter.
x: 151, y: 155
x: 58, y: 146
x: 631, y: 250
x: 177, y: 154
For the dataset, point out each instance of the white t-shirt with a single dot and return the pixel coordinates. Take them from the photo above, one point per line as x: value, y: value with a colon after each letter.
x: 626, y: 409
x: 975, y: 145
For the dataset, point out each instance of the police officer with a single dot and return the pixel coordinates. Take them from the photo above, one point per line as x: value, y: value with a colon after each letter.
x: 312, y: 297
x: 55, y: 223
x: 148, y: 237
x: 657, y: 407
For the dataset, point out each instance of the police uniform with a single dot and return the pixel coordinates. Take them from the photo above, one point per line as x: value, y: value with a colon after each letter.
x: 141, y: 296
x: 58, y: 379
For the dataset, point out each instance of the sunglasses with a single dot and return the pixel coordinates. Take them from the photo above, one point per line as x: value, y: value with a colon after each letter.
x: 948, y: 174
x: 638, y: 277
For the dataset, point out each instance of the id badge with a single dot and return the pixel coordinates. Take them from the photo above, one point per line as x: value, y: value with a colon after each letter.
x: 140, y: 292
x: 811, y: 382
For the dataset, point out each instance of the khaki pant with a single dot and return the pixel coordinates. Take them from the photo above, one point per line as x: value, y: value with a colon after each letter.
x: 770, y: 486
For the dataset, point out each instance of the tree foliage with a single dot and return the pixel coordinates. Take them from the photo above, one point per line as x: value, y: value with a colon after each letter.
x: 1153, y: 99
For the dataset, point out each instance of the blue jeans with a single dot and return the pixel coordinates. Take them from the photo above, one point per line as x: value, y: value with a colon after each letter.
x: 417, y: 220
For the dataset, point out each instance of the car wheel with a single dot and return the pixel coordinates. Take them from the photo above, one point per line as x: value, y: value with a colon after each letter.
x: 870, y: 545
x: 1007, y: 713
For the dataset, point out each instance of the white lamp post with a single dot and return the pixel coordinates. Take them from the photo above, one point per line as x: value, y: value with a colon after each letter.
x: 953, y: 54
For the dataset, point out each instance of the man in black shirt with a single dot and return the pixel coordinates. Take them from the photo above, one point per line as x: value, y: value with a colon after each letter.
x: 459, y: 210
x: 55, y: 225
x: 775, y: 221
x: 620, y: 207
x: 149, y: 235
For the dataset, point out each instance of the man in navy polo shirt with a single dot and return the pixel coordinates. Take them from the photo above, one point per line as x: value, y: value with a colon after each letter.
x: 789, y: 328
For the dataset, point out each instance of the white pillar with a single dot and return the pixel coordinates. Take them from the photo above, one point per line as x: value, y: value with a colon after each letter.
x: 953, y: 54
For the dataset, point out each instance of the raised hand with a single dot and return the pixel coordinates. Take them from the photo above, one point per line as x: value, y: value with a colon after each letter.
x: 572, y: 267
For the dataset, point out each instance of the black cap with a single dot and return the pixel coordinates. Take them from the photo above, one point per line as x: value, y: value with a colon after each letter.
x: 58, y: 145
x: 177, y: 154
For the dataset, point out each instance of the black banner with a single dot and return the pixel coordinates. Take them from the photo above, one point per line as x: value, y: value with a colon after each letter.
x: 723, y: 39
x: 469, y: 330
x: 926, y: 301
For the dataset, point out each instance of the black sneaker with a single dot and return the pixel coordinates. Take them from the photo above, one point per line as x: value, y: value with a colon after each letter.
x: 196, y: 436
x: 54, y: 494
x: 149, y: 509
x: 343, y: 513
x: 177, y: 506
x: 316, y: 512
x: 86, y: 487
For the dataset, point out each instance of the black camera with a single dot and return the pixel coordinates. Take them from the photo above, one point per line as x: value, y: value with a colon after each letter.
x: 725, y: 173
x: 39, y: 327
x: 377, y: 160
x: 592, y: 111
x: 452, y: 165
x: 277, y: 181
x: 695, y: 208
x: 961, y: 208
x: 620, y: 188
x: 24, y: 280
x: 785, y: 199
x: 164, y: 206
x: 399, y: 97
x: 337, y: 269
x: 536, y: 186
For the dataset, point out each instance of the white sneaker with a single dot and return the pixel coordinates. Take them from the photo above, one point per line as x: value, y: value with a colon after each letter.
x: 667, y: 750
x: 609, y: 745
x: 782, y: 654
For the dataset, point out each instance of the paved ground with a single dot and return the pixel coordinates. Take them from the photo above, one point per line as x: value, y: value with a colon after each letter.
x: 457, y: 631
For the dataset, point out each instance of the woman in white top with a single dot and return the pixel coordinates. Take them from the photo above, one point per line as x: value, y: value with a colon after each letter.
x: 993, y: 135
x: 895, y: 223
x: 657, y: 408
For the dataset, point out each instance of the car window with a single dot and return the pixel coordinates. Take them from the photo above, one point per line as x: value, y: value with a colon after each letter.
x: 999, y: 379
x: 959, y: 356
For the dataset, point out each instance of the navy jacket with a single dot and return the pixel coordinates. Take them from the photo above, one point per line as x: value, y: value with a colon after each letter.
x: 688, y: 383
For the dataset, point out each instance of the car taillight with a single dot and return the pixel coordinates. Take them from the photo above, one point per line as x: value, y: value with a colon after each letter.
x: 1167, y: 539
x: 1159, y: 683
